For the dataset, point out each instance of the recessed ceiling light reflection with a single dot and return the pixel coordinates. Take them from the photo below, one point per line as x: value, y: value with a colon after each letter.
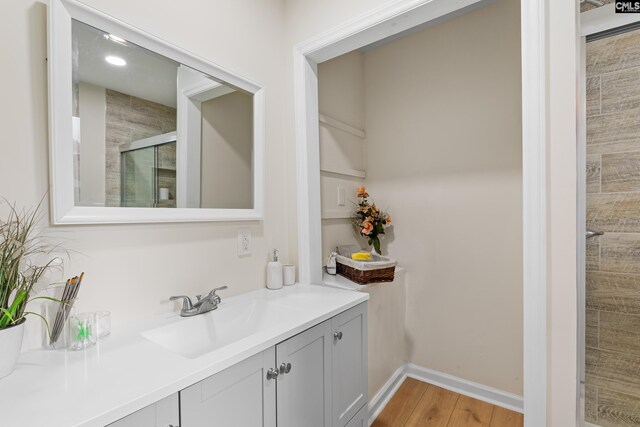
x: 116, y: 60
x: 115, y: 38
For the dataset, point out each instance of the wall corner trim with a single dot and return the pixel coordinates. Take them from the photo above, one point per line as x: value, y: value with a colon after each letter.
x: 474, y: 390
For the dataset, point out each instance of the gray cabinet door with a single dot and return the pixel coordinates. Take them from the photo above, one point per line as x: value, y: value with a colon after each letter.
x: 163, y: 413
x: 361, y: 419
x: 241, y: 395
x: 349, y: 363
x: 304, y: 393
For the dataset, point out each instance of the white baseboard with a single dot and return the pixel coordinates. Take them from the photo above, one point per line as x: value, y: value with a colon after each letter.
x: 446, y: 381
x: 467, y: 388
x: 590, y: 425
x: 382, y: 397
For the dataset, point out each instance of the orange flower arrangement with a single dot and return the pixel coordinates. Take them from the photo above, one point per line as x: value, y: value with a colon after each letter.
x: 369, y: 220
x: 362, y: 192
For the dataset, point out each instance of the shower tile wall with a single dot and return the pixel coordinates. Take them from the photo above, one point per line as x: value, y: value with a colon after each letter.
x: 613, y: 206
x: 128, y: 119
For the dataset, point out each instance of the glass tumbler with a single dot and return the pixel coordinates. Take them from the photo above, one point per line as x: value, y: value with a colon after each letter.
x: 103, y: 319
x: 82, y: 332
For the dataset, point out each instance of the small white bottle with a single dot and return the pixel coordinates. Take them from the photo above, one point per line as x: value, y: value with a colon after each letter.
x: 331, y: 264
x: 274, y: 272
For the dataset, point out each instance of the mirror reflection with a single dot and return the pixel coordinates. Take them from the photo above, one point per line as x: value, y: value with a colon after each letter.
x: 151, y: 132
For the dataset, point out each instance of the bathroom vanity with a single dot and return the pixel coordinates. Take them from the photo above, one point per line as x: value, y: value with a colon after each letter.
x: 315, y: 378
x: 289, y: 358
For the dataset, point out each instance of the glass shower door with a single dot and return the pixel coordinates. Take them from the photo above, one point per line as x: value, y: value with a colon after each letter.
x: 139, y: 178
x: 612, y: 284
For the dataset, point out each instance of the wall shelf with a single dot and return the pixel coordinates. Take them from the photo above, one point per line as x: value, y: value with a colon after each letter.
x: 337, y: 124
x: 355, y: 173
x: 336, y: 214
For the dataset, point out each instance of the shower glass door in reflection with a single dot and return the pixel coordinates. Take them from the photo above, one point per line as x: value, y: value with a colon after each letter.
x: 148, y: 176
x: 138, y: 178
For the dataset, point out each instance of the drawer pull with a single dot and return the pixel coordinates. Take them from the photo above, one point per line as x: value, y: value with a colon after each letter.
x: 337, y: 335
x: 285, y: 368
x: 272, y: 374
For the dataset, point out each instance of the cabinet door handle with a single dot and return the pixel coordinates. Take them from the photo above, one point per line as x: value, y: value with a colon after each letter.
x: 285, y: 368
x: 337, y: 335
x: 272, y: 374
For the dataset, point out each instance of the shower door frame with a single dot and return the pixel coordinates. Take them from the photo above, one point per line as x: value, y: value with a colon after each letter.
x: 600, y: 20
x: 150, y: 142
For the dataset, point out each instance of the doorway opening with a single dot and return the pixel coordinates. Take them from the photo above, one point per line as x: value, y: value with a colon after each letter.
x: 392, y: 20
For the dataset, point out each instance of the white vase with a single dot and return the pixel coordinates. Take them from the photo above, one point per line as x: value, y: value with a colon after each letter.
x: 10, y: 345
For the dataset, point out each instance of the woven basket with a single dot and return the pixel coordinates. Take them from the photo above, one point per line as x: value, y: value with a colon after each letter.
x: 365, y: 277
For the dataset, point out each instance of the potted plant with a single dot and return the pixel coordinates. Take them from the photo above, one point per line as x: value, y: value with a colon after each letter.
x: 370, y: 221
x: 22, y: 249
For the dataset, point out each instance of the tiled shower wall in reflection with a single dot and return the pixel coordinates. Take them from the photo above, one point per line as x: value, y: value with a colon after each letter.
x: 128, y: 119
x: 613, y: 206
x: 584, y: 6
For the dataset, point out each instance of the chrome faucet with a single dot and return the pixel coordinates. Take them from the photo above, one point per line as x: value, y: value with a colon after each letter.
x: 202, y: 305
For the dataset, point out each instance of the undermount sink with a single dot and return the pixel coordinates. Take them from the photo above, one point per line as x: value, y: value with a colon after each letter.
x: 196, y: 336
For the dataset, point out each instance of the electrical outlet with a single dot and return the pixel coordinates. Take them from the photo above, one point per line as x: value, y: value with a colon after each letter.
x: 244, y: 242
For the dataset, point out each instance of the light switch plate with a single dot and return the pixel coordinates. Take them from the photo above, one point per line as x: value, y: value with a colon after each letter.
x: 244, y: 242
x: 340, y: 196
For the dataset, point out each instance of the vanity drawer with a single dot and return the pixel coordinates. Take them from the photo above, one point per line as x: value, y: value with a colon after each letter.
x: 164, y: 413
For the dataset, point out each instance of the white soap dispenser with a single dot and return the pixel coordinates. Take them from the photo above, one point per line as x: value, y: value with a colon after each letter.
x: 331, y: 264
x: 274, y: 272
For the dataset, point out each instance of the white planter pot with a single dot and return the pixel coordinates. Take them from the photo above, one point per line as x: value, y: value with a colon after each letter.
x: 10, y: 344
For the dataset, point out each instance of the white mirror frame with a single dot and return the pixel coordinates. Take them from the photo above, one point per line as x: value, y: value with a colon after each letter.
x: 63, y: 209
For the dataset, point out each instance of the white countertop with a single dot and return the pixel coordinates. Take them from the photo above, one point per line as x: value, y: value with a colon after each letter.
x: 126, y: 372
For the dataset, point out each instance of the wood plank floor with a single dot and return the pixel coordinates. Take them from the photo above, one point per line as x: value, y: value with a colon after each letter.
x: 418, y: 404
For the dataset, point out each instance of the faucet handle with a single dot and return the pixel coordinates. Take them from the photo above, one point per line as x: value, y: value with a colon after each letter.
x: 221, y: 288
x: 187, y: 304
x: 215, y: 296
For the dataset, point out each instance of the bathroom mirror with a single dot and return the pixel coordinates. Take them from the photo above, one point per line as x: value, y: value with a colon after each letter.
x: 142, y: 131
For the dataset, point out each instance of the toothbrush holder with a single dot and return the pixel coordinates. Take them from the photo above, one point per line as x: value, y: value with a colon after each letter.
x: 83, y: 331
